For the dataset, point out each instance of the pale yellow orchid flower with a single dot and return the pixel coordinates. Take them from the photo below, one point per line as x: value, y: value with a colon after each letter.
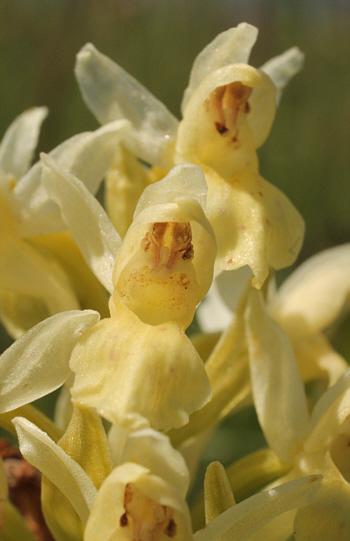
x: 137, y: 367
x: 41, y: 269
x: 316, y: 444
x: 306, y: 305
x: 143, y: 498
x: 228, y: 109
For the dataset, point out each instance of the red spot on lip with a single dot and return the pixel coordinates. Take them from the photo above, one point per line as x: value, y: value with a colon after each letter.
x: 221, y: 128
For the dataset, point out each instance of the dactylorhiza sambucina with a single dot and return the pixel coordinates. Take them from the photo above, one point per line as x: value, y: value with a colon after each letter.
x: 308, y: 303
x: 41, y: 270
x: 317, y: 443
x: 136, y: 367
x: 134, y: 488
x: 228, y: 109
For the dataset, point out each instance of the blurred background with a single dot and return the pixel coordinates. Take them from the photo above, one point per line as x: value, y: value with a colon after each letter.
x: 307, y: 152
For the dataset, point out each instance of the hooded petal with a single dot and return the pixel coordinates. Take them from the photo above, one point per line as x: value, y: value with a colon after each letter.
x: 20, y: 140
x: 154, y: 451
x: 243, y: 520
x: 135, y: 374
x: 317, y: 292
x: 278, y: 390
x: 85, y: 218
x: 111, y: 94
x: 37, y: 363
x: 87, y: 156
x: 54, y: 463
x: 229, y: 115
x: 165, y: 265
x: 230, y: 47
x: 134, y: 503
x: 255, y: 224
x: 282, y: 68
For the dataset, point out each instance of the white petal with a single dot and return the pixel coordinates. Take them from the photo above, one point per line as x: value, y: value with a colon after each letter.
x: 184, y: 181
x: 230, y: 47
x: 212, y: 314
x: 111, y: 93
x: 20, y: 140
x: 57, y: 466
x: 88, y: 223
x: 316, y: 293
x: 282, y: 68
x: 330, y: 396
x: 243, y: 520
x: 87, y: 156
x: 153, y: 450
x: 37, y: 363
x: 278, y: 390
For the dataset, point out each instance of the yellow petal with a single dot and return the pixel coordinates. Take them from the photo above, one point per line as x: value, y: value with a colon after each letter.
x: 228, y: 116
x: 125, y: 181
x: 135, y: 374
x: 165, y: 265
x: 254, y: 223
x: 326, y: 518
x: 134, y: 504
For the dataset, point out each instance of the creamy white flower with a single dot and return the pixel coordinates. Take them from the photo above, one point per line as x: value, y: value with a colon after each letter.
x: 228, y: 109
x: 35, y: 281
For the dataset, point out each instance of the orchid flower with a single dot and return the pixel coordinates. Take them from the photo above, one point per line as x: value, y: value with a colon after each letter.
x: 137, y: 367
x: 316, y: 444
x: 143, y: 496
x: 37, y: 276
x: 308, y: 303
x: 228, y: 109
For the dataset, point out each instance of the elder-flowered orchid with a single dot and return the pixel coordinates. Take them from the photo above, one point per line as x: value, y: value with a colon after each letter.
x: 316, y: 444
x: 143, y: 496
x: 136, y: 367
x: 228, y: 109
x: 38, y: 277
x: 308, y: 303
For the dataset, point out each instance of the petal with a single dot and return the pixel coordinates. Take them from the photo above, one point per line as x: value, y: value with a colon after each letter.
x: 228, y: 372
x: 85, y: 218
x: 329, y: 415
x: 255, y: 224
x: 327, y: 517
x: 278, y: 390
x: 216, y: 310
x: 230, y: 47
x: 37, y: 363
x: 243, y: 520
x: 150, y: 492
x: 20, y: 140
x: 85, y: 441
x: 87, y: 156
x: 135, y: 374
x: 200, y: 141
x: 54, y: 463
x: 282, y: 68
x: 153, y: 450
x: 125, y: 182
x: 33, y: 285
x: 315, y: 356
x: 165, y: 265
x: 316, y: 293
x: 111, y: 93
